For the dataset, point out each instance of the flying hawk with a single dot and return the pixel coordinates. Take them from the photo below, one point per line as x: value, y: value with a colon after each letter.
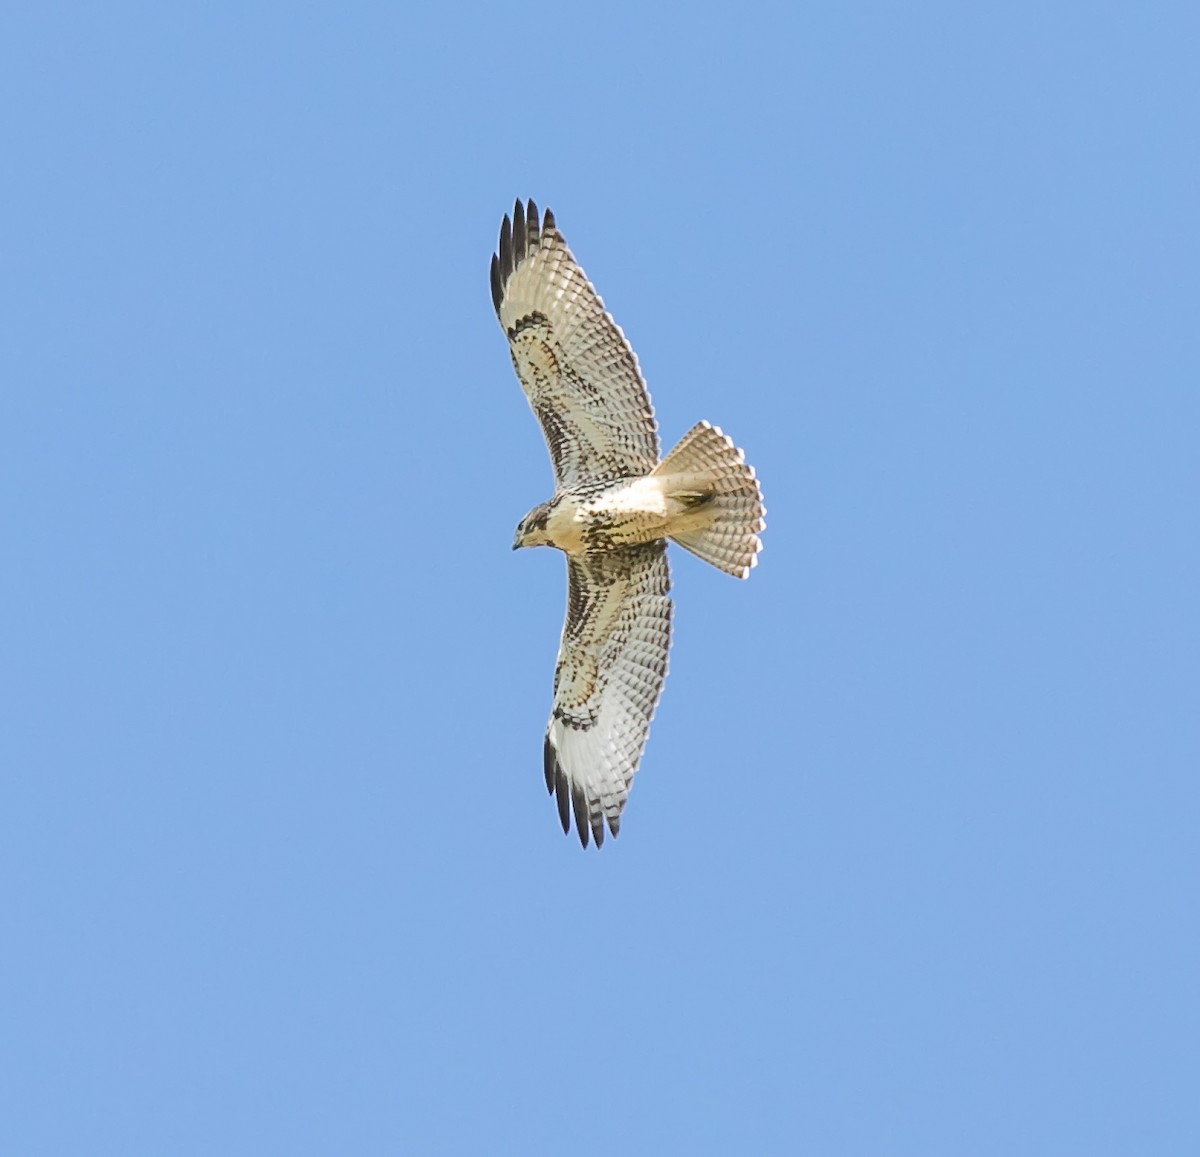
x: 614, y: 507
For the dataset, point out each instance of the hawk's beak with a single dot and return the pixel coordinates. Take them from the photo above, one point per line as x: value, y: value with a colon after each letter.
x: 517, y: 541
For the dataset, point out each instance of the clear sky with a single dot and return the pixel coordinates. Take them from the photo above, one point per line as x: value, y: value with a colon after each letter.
x: 911, y: 865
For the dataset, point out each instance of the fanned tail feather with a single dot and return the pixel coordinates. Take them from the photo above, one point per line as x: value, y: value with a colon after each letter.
x: 716, y: 503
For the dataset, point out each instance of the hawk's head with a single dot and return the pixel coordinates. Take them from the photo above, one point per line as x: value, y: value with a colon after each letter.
x: 532, y: 528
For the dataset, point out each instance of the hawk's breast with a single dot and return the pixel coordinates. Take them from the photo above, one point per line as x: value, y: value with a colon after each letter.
x: 589, y: 520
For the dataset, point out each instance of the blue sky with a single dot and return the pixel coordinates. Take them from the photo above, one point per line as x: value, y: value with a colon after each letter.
x: 911, y: 864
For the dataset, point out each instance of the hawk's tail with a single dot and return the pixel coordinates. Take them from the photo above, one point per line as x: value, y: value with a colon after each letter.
x: 714, y: 499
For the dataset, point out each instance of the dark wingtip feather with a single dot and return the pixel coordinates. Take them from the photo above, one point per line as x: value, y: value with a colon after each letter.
x: 563, y: 791
x: 548, y: 762
x: 506, y: 249
x: 579, y: 803
x: 518, y: 231
x: 532, y: 228
x: 497, y: 284
x: 548, y: 221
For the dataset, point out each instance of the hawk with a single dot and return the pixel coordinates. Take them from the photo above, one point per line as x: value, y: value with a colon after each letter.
x: 615, y: 505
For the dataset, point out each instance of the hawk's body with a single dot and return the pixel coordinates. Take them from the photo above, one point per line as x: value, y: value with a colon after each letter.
x: 615, y: 505
x: 588, y: 519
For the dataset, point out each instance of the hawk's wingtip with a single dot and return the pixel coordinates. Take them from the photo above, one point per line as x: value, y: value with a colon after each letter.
x: 497, y: 284
x: 518, y: 231
x: 579, y: 805
x: 563, y: 793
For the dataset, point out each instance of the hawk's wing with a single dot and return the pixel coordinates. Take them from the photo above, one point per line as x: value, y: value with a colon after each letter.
x: 579, y: 373
x: 611, y: 666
